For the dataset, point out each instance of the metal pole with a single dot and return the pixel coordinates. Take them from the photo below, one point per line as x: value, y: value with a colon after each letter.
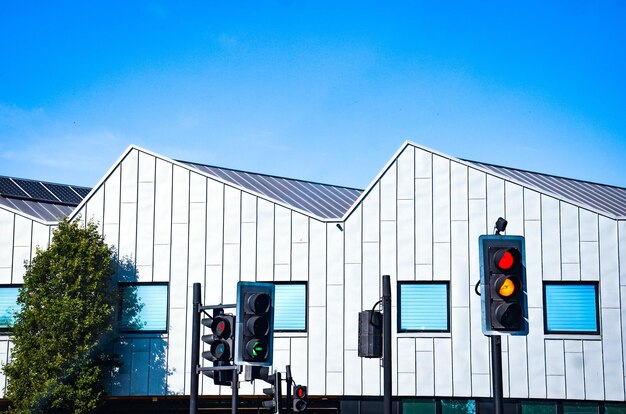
x: 496, y: 367
x: 235, y: 387
x: 195, y: 349
x: 288, y: 380
x: 387, y: 343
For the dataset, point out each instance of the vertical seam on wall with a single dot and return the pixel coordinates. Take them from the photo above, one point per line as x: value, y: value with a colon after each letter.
x: 326, y: 311
x: 13, y: 252
x: 308, y: 278
x: 361, y: 244
x: 560, y: 240
x: 599, y: 305
x: 580, y: 256
x: 204, y: 273
x: 432, y: 222
x: 486, y: 230
x: 469, y: 272
x: 379, y: 223
x: 187, y: 278
x: 256, y: 239
x: 619, y: 294
x: 169, y: 265
x: 526, y: 266
x: 290, y: 255
x: 450, y: 316
x: 240, y: 231
x: 413, y: 255
x: 273, y: 242
x: 136, y: 217
x: 343, y: 319
x: 223, y: 244
x: 543, y: 306
x: 397, y: 275
x: 154, y: 201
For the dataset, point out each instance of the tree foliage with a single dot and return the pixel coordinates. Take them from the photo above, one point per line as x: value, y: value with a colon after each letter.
x: 64, y: 328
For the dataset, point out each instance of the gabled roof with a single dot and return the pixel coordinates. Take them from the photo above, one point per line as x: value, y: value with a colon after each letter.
x: 322, y: 200
x: 43, y: 200
x: 50, y: 201
x: 600, y: 197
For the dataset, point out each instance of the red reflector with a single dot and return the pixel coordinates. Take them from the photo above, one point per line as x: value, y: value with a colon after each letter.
x: 506, y: 261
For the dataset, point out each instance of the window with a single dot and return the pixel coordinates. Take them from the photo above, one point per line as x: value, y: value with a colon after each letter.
x: 290, y: 307
x: 423, y: 307
x: 571, y: 307
x: 8, y: 306
x: 538, y: 407
x: 572, y: 407
x: 458, y: 407
x: 419, y: 407
x: 144, y: 307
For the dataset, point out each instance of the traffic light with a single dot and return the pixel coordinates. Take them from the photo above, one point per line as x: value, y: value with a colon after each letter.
x: 255, y: 323
x: 220, y: 344
x: 370, y: 334
x: 503, y: 285
x: 299, y: 398
x: 274, y: 391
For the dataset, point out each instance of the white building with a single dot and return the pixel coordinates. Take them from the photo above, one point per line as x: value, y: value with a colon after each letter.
x: 419, y: 221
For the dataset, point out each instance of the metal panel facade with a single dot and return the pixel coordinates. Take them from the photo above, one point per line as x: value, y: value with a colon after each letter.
x: 419, y: 221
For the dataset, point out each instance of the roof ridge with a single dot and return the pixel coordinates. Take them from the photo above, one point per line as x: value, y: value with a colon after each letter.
x: 269, y: 175
x: 544, y: 174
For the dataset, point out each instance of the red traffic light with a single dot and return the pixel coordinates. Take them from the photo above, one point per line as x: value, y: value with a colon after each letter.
x: 506, y: 259
x: 300, y: 402
x: 299, y: 391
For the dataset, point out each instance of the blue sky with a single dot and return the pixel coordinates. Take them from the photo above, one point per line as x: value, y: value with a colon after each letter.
x: 313, y: 90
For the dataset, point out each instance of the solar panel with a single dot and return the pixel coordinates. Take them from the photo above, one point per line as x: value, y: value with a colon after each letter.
x: 82, y: 191
x: 64, y: 193
x: 35, y: 190
x: 8, y: 188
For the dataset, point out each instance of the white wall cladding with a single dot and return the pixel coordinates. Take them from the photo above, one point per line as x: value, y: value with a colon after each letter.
x: 420, y: 221
x: 20, y: 236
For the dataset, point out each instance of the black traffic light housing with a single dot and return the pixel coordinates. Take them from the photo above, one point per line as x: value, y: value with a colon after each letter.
x: 274, y: 391
x: 300, y: 401
x: 503, y: 285
x: 221, y: 345
x: 254, y: 333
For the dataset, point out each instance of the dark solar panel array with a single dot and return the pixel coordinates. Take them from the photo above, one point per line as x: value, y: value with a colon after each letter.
x: 82, y: 191
x: 323, y: 200
x: 47, y: 201
x: 65, y: 192
x: 10, y: 189
x: 606, y: 198
x: 36, y: 190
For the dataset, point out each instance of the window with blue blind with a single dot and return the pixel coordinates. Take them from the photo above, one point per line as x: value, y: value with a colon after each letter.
x: 144, y: 307
x: 290, y: 304
x: 571, y: 307
x: 8, y: 306
x: 424, y: 307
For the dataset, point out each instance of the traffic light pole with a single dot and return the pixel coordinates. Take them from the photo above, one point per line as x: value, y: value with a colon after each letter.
x: 235, y: 394
x: 387, y: 343
x: 496, y: 367
x: 195, y: 349
x: 288, y: 380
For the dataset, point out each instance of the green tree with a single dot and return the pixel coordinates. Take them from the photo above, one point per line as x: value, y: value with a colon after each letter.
x: 64, y: 328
